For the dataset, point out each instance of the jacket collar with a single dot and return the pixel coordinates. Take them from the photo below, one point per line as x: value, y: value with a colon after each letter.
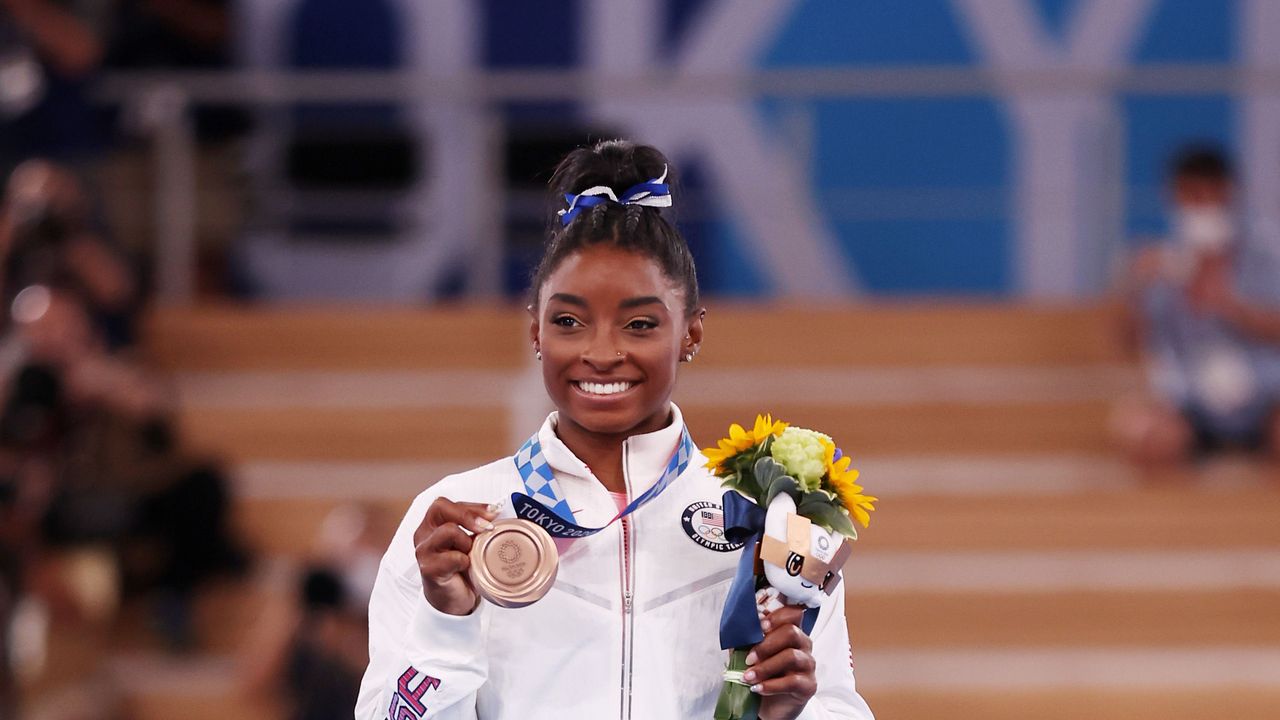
x: 646, y: 456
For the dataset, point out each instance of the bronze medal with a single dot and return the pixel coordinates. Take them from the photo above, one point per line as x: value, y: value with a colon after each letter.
x: 514, y: 564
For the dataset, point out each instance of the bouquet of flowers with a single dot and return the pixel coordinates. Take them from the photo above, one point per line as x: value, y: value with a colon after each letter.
x: 792, y: 501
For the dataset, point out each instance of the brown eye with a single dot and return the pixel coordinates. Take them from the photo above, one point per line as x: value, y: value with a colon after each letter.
x: 641, y: 325
x: 565, y: 321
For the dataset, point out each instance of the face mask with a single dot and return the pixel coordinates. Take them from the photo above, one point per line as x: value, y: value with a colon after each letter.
x: 1205, y: 229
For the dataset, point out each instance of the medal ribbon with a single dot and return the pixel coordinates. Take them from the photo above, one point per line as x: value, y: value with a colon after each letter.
x: 543, y: 503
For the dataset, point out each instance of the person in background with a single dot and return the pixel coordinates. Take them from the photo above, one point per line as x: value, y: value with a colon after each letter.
x: 1203, y: 311
x: 14, y: 530
x: 310, y: 643
x: 47, y: 237
x: 50, y: 52
x: 102, y: 428
x: 178, y: 35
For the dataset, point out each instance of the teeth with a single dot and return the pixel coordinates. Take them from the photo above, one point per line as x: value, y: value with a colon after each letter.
x: 604, y: 388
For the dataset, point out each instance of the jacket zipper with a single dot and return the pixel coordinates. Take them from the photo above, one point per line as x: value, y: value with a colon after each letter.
x: 628, y: 596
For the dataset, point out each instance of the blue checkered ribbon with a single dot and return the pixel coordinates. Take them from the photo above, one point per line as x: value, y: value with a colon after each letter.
x: 544, y: 503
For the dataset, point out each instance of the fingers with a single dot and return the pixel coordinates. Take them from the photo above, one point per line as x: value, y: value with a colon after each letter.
x: 782, y: 630
x: 783, y: 662
x: 785, y: 615
x: 777, y: 642
x: 444, y: 538
x: 441, y: 542
x: 442, y: 566
x: 443, y: 553
x: 801, y: 685
x: 472, y: 516
x: 790, y: 671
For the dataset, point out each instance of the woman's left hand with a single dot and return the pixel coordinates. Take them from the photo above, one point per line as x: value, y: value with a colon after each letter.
x: 781, y: 668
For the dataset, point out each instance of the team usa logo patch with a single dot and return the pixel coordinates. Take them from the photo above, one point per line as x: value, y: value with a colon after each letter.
x: 703, y: 522
x: 406, y: 701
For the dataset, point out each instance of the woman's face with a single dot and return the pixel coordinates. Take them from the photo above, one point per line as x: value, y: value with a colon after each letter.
x: 611, y: 328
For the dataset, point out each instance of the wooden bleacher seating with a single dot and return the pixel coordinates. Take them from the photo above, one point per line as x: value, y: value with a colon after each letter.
x: 915, y: 362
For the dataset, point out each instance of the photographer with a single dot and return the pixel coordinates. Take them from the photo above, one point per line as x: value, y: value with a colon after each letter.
x: 121, y: 479
x: 47, y: 238
x: 1203, y: 309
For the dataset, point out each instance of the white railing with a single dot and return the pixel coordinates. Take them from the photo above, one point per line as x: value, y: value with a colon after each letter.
x: 163, y: 100
x: 275, y: 87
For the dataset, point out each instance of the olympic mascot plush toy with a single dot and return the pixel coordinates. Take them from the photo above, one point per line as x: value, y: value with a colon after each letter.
x: 801, y: 560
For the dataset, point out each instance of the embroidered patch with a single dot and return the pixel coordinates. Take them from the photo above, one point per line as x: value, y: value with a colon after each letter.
x: 406, y: 703
x: 703, y: 522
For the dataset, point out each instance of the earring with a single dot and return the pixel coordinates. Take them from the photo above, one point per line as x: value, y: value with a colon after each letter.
x: 537, y: 353
x: 688, y: 357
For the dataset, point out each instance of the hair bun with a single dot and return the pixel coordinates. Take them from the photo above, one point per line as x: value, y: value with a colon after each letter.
x: 616, y: 164
x: 630, y: 222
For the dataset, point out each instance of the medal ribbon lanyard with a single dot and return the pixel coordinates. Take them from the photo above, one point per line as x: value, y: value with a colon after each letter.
x: 543, y: 502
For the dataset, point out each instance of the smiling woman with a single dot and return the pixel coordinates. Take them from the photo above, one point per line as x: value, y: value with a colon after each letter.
x: 610, y: 332
x: 629, y: 624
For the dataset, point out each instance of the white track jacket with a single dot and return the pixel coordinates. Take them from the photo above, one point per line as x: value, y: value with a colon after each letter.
x: 630, y: 629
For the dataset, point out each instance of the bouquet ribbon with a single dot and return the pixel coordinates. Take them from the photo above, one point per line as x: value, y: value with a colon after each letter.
x: 740, y: 622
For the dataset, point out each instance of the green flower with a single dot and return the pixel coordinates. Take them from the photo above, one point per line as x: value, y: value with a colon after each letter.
x: 803, y: 453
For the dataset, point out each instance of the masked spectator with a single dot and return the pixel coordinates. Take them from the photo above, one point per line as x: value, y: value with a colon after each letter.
x: 1204, y: 309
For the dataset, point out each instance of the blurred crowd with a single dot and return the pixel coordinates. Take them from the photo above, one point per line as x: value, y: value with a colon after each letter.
x: 310, y: 644
x: 99, y: 499
x: 103, y: 505
x: 54, y: 56
x: 52, y: 52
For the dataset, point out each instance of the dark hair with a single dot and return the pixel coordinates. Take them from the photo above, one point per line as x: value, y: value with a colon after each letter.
x: 619, y: 165
x: 34, y: 413
x: 1202, y: 162
x: 322, y: 589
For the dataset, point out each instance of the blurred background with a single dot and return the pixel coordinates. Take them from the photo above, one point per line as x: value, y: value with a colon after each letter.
x: 263, y: 268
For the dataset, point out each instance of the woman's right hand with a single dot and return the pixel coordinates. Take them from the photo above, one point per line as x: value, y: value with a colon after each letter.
x: 443, y: 549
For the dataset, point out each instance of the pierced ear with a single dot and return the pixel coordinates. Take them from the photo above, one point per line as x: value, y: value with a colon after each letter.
x: 696, y: 329
x: 535, y: 327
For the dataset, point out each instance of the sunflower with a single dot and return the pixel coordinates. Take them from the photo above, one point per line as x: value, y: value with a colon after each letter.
x: 843, y: 482
x: 740, y: 440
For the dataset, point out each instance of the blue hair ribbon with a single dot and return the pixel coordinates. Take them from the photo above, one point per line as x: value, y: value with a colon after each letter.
x: 650, y: 193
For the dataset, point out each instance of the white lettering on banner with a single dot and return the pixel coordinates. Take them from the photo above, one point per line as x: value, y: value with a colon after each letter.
x: 457, y: 203
x: 1064, y: 185
x: 765, y: 189
x: 540, y: 518
x: 1260, y: 114
x: 452, y: 210
x: 549, y: 522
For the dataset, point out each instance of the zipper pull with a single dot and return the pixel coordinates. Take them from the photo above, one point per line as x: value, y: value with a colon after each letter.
x: 626, y: 602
